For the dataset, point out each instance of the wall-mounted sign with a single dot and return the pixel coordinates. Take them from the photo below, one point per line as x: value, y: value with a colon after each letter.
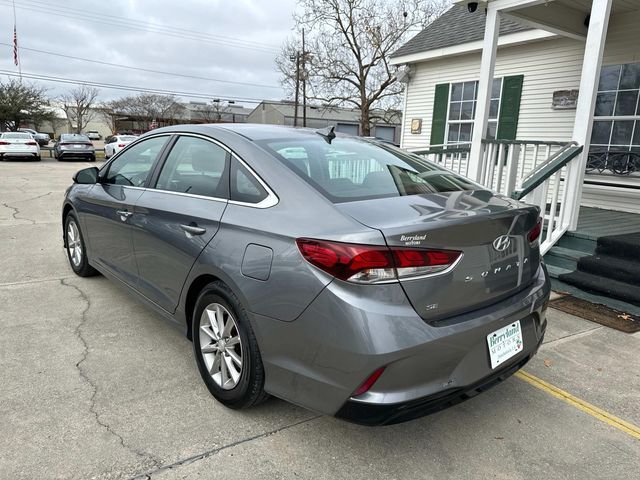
x: 565, y: 100
x: 416, y: 125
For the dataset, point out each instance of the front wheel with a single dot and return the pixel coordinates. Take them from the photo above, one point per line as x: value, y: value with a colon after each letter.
x: 225, y: 348
x: 76, y: 251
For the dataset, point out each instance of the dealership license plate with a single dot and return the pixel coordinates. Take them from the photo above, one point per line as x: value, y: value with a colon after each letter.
x: 504, y: 343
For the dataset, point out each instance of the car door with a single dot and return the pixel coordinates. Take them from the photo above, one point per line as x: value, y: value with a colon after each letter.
x: 176, y: 219
x: 107, y: 209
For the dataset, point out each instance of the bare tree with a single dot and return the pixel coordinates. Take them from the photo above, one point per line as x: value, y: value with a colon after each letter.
x: 348, y: 45
x: 151, y: 107
x: 21, y: 101
x: 109, y: 112
x: 77, y: 104
x: 212, y: 112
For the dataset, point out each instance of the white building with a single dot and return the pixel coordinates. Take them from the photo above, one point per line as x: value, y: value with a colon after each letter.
x: 538, y: 99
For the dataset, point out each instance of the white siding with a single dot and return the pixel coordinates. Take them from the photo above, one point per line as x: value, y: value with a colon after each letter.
x: 547, y: 66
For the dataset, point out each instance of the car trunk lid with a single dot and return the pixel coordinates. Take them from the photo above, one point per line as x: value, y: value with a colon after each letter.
x: 491, y: 232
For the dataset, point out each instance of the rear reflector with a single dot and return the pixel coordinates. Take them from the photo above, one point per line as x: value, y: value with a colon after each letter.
x: 31, y: 144
x: 534, y: 233
x: 368, y: 383
x: 372, y: 263
x: 2, y: 142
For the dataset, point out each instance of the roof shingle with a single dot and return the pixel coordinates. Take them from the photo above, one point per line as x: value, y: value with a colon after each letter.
x: 454, y: 27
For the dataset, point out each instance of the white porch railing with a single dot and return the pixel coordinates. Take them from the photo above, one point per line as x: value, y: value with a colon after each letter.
x: 533, y: 171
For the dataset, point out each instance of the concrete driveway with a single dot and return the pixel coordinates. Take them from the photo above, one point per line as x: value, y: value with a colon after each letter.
x: 93, y: 385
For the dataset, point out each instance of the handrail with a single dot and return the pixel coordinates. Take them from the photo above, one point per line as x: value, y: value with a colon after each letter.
x: 523, y: 142
x: 442, y: 149
x: 545, y: 170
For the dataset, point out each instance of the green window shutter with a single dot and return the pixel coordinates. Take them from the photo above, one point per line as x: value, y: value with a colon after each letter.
x: 439, y: 120
x: 509, y: 107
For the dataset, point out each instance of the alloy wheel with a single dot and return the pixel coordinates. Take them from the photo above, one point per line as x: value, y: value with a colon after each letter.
x: 74, y: 245
x: 220, y: 345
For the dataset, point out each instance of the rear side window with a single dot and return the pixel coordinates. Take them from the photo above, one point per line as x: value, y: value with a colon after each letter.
x: 132, y: 166
x: 195, y: 166
x: 244, y: 186
x: 350, y: 169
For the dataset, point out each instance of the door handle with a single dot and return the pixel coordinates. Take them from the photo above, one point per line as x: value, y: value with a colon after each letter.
x: 124, y: 214
x: 193, y: 229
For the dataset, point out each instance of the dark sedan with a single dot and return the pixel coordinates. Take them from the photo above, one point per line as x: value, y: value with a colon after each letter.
x: 338, y: 273
x: 74, y: 146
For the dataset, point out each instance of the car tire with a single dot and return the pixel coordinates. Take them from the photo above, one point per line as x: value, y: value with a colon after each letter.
x: 92, y: 159
x: 239, y: 390
x: 38, y: 158
x: 77, y: 258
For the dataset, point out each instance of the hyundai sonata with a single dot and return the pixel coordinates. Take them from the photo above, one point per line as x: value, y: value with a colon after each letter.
x: 341, y: 274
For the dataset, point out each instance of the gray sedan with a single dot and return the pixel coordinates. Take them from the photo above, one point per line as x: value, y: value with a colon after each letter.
x: 341, y: 274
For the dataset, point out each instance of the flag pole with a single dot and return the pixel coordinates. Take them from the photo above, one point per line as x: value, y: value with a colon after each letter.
x: 16, y: 53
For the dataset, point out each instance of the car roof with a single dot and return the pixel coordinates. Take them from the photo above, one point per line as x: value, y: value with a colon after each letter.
x: 251, y: 131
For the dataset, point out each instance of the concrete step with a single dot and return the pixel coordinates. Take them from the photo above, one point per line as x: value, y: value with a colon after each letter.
x: 578, y: 242
x: 624, y: 291
x: 555, y: 272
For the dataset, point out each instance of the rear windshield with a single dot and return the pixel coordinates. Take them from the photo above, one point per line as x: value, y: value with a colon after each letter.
x: 74, y: 138
x: 351, y: 169
x: 127, y: 138
x: 16, y: 135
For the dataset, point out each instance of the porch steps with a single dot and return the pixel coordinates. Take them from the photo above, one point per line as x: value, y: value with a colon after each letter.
x: 603, y: 270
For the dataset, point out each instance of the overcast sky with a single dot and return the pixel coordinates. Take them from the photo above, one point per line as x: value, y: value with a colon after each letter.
x: 97, y: 31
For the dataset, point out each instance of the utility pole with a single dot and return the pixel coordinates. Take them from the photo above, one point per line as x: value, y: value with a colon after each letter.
x: 296, y: 58
x: 304, y: 83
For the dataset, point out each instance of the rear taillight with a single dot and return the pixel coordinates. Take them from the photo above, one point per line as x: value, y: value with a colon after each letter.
x: 121, y: 145
x: 534, y: 233
x: 368, y: 383
x: 32, y: 144
x: 374, y: 264
x: 2, y: 142
x: 64, y: 144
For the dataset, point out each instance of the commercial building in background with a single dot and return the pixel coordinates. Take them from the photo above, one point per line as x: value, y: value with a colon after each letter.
x: 385, y: 127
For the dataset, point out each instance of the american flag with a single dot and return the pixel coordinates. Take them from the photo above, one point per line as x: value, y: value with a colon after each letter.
x: 15, y: 46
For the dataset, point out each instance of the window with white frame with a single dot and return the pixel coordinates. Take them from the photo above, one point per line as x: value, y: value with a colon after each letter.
x: 462, y: 110
x: 616, y: 125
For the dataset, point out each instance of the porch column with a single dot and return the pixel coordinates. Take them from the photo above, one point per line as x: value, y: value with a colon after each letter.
x: 594, y: 48
x: 487, y: 67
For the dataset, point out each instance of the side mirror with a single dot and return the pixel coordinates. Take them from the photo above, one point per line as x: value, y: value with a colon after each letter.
x: 87, y: 176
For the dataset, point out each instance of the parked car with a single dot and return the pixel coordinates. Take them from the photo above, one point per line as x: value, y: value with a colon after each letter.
x: 343, y: 275
x: 117, y: 143
x: 43, y: 139
x: 76, y: 146
x: 19, y: 145
x: 93, y: 135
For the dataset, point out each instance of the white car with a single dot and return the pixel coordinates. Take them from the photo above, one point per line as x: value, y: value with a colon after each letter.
x: 117, y: 143
x: 93, y: 135
x: 18, y: 145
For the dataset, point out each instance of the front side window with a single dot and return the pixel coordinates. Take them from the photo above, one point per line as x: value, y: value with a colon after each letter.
x: 351, y: 169
x: 462, y: 110
x: 195, y: 166
x: 616, y: 125
x: 132, y: 166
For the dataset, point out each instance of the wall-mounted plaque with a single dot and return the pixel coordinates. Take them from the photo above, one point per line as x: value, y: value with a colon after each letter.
x: 416, y: 125
x: 565, y: 100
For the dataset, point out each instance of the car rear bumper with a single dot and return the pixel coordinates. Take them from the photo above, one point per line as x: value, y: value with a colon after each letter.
x: 72, y: 154
x: 13, y: 154
x: 321, y: 358
x: 373, y: 414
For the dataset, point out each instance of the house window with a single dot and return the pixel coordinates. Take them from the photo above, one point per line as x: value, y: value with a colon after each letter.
x: 616, y: 126
x: 462, y: 110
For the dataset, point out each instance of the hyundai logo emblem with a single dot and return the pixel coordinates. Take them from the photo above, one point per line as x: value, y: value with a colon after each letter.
x: 502, y: 243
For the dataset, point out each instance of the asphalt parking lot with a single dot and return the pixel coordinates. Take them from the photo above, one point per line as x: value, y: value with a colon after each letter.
x: 94, y: 385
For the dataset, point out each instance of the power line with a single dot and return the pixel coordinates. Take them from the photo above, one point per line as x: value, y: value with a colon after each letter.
x: 99, y: 62
x: 122, y: 22
x: 130, y: 88
x: 118, y: 21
